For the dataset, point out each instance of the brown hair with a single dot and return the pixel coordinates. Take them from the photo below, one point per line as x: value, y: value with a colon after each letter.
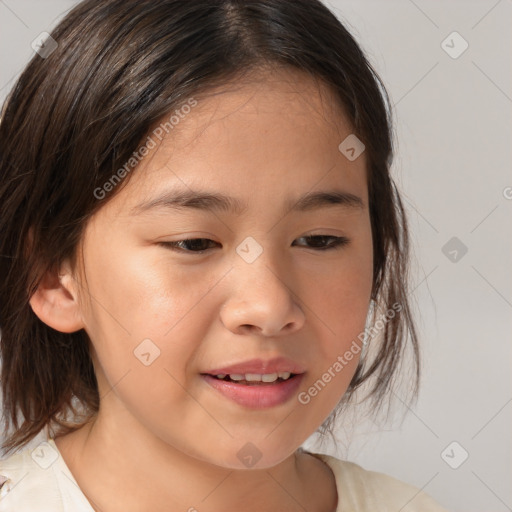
x: 75, y: 117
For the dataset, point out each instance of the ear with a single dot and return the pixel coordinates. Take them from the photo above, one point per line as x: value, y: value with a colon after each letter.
x: 55, y: 301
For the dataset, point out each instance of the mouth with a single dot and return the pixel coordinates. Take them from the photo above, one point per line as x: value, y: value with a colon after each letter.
x: 255, y: 391
x: 254, y: 379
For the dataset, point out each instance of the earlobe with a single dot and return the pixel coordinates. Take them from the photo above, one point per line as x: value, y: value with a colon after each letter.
x: 55, y: 301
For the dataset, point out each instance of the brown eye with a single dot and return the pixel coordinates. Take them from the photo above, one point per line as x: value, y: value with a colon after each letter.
x: 200, y: 245
x: 190, y: 245
x: 325, y: 242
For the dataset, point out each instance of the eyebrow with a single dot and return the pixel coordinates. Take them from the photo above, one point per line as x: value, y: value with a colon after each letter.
x: 218, y: 202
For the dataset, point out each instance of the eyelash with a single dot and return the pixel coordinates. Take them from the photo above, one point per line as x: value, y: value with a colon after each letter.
x: 339, y: 242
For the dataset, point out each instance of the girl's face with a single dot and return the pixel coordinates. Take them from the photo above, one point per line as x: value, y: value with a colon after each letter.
x: 162, y: 313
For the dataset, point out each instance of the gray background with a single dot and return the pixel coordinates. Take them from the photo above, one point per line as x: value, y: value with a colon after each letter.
x: 454, y: 133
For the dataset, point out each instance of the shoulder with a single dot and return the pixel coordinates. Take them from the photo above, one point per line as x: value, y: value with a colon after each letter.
x: 37, y: 480
x: 363, y: 490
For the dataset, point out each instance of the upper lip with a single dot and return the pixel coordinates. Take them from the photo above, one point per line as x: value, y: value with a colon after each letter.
x: 260, y: 367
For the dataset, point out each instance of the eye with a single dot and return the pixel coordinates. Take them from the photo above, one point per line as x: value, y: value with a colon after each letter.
x: 200, y: 245
x: 325, y: 242
x: 197, y: 245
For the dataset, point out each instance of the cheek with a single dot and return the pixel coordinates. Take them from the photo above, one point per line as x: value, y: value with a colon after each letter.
x: 339, y: 302
x: 340, y: 296
x: 141, y: 296
x: 341, y: 306
x: 145, y: 310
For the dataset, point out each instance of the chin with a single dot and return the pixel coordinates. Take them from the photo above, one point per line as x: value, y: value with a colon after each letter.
x: 245, y: 455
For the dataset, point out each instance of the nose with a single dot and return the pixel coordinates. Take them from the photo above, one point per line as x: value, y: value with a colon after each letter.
x: 262, y: 301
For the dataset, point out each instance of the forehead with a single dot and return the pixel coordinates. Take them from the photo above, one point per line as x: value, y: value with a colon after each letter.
x: 273, y: 129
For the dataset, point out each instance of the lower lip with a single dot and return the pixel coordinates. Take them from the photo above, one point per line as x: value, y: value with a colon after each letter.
x: 256, y: 396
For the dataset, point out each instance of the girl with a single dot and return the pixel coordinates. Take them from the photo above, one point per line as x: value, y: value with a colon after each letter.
x: 203, y: 258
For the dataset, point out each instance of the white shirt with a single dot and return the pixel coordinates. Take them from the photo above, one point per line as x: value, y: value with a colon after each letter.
x: 39, y: 481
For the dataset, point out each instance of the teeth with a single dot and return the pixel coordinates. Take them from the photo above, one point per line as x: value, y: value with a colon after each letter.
x: 256, y: 377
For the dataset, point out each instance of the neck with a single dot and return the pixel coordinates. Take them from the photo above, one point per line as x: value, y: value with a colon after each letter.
x: 125, y: 467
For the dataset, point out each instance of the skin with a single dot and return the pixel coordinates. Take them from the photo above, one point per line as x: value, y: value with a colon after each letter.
x: 163, y: 439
